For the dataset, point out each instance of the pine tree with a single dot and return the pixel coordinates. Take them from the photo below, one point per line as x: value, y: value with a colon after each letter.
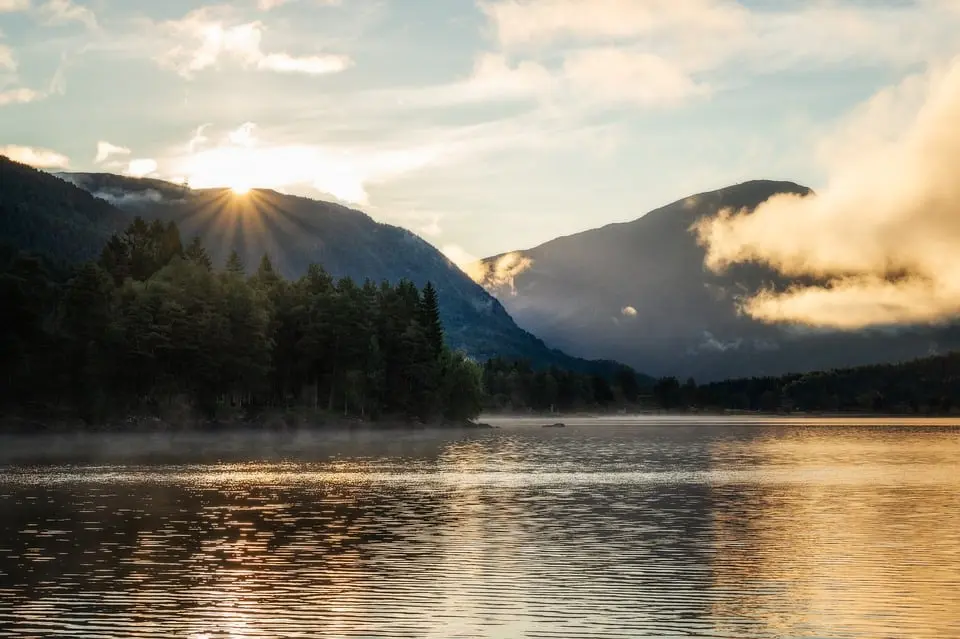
x: 196, y: 253
x: 235, y: 264
x: 429, y: 317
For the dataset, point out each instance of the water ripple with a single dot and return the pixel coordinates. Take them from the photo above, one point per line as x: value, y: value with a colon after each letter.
x: 605, y: 531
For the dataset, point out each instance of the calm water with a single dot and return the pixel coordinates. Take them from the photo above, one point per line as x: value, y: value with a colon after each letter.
x: 602, y: 529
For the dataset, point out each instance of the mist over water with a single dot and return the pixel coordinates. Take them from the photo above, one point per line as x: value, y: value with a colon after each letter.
x: 606, y: 528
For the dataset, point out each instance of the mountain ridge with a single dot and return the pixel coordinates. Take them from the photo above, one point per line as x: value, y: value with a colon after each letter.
x: 640, y: 289
x: 293, y: 230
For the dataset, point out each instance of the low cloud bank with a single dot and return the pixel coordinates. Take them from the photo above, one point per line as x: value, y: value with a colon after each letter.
x: 883, y: 237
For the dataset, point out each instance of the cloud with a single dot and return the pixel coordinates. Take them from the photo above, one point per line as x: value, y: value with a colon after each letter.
x: 7, y: 60
x: 105, y: 150
x: 128, y: 198
x: 267, y: 5
x: 36, y: 157
x: 313, y: 65
x: 211, y: 39
x: 883, y: 235
x: 9, y: 6
x: 500, y: 274
x: 19, y: 96
x: 628, y: 311
x: 614, y: 75
x: 141, y: 167
x: 532, y: 22
x: 242, y: 135
x: 662, y: 52
x: 198, y: 139
x: 583, y: 78
x: 711, y: 343
x: 458, y: 255
x: 65, y: 11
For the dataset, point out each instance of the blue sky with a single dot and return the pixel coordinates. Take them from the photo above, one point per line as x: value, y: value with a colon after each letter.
x: 483, y: 126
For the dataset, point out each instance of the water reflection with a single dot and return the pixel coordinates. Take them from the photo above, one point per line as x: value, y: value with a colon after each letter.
x: 593, y: 531
x: 842, y: 556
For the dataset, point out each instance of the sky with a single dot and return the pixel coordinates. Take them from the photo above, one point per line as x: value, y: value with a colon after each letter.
x: 482, y: 125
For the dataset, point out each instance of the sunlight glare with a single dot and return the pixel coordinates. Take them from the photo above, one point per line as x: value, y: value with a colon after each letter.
x: 239, y: 187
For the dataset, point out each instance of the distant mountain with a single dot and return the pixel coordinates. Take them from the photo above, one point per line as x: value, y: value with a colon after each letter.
x: 58, y: 215
x: 638, y: 291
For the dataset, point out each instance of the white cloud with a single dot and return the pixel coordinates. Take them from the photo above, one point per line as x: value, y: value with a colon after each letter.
x: 14, y: 5
x: 19, y: 96
x: 64, y: 11
x: 267, y: 5
x: 34, y: 156
x: 458, y: 255
x: 7, y: 60
x: 584, y: 77
x: 432, y: 228
x: 628, y: 311
x: 105, y: 150
x: 243, y: 135
x: 661, y: 52
x: 500, y: 274
x: 313, y: 64
x: 141, y: 167
x: 884, y: 233
x: 198, y: 139
x: 212, y: 39
x: 613, y: 75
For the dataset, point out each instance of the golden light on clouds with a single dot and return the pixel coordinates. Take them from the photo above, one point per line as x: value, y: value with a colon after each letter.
x: 884, y: 235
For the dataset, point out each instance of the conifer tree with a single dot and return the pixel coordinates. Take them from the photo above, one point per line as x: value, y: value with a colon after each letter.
x: 235, y: 264
x: 429, y: 317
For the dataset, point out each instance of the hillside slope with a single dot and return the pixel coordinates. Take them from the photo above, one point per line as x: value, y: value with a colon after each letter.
x: 294, y: 231
x: 639, y: 291
x: 52, y: 216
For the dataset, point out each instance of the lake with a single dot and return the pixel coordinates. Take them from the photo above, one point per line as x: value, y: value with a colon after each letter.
x: 659, y: 527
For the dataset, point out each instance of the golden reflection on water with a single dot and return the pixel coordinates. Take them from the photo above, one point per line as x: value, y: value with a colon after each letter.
x: 599, y: 532
x: 842, y: 557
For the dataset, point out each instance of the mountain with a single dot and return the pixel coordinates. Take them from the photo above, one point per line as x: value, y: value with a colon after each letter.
x: 38, y: 210
x: 638, y: 291
x: 71, y: 215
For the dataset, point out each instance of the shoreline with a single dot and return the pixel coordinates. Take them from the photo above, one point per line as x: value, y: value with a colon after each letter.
x: 270, y: 423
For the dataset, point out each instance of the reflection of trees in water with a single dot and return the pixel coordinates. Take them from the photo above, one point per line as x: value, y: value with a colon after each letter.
x: 868, y: 549
x: 195, y: 545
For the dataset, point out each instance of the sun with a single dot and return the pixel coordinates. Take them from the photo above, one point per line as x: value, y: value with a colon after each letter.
x: 240, y: 187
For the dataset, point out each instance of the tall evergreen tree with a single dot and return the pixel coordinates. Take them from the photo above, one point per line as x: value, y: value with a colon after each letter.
x: 196, y: 253
x: 235, y: 265
x: 429, y: 316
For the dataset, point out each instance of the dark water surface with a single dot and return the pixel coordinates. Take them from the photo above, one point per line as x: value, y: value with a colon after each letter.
x: 602, y: 529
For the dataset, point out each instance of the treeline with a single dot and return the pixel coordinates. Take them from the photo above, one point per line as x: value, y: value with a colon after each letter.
x: 929, y: 386
x: 152, y: 324
x: 516, y: 386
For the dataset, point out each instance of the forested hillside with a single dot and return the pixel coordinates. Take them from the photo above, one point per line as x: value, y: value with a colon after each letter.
x: 930, y: 385
x: 59, y: 217
x: 40, y: 211
x: 152, y: 326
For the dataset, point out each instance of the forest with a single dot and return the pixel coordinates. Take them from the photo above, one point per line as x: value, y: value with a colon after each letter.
x: 926, y: 386
x: 152, y: 325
